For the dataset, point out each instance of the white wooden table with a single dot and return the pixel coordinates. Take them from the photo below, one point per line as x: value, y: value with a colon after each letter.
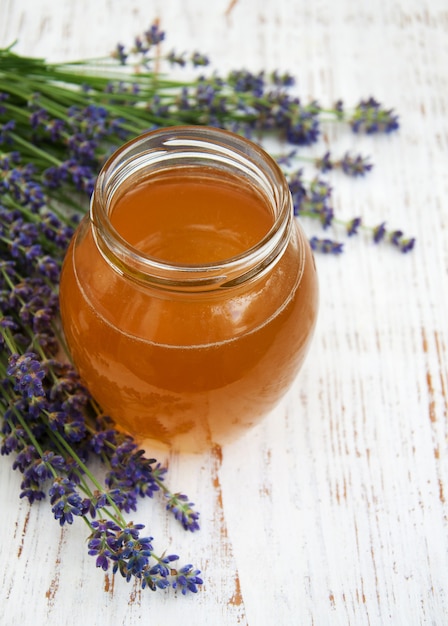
x: 332, y: 511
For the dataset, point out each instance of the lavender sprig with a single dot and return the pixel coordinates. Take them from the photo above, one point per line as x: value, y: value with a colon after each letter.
x: 325, y: 245
x: 35, y: 95
x: 65, y: 133
x: 352, y: 165
x: 371, y: 117
x: 313, y: 199
x: 131, y: 556
x: 56, y: 463
x: 49, y: 421
x: 183, y: 510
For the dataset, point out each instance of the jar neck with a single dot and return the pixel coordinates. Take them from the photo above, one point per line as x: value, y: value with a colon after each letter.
x: 218, y: 151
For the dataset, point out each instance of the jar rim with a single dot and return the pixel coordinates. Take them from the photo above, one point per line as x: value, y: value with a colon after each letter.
x: 157, y: 148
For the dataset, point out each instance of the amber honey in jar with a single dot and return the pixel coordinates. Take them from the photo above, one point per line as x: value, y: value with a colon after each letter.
x: 189, y: 295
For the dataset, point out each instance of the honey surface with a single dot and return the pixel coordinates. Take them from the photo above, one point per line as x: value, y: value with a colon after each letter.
x: 191, y: 220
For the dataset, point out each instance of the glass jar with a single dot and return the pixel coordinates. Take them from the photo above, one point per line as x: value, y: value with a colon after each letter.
x: 189, y: 294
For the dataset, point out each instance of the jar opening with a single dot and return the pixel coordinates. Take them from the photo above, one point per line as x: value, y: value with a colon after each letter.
x: 191, y: 208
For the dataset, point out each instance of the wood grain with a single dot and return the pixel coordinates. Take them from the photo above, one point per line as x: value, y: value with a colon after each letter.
x: 333, y: 510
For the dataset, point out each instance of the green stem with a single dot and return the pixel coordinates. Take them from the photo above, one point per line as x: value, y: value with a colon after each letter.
x: 91, y: 477
x: 35, y: 150
x: 33, y: 439
x: 8, y: 339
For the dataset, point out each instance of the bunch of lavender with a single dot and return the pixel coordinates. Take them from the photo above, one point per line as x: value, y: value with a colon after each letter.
x: 49, y: 421
x: 65, y: 119
x: 58, y: 123
x: 47, y: 424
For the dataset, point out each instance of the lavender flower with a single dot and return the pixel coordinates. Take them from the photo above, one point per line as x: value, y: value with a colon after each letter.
x: 5, y: 132
x: 327, y: 246
x: 131, y: 474
x: 298, y: 191
x: 355, y: 165
x: 319, y: 197
x: 352, y: 165
x: 120, y: 54
x: 101, y: 541
x: 133, y: 556
x: 311, y: 199
x: 379, y: 232
x: 406, y: 244
x: 339, y: 109
x: 325, y: 163
x: 182, y: 509
x: 288, y: 159
x: 175, y: 58
x: 25, y: 458
x: 199, y: 60
x: 188, y: 579
x: 27, y: 373
x: 395, y: 237
x: 353, y: 226
x: 154, y: 35
x: 282, y: 79
x: 304, y: 127
x: 244, y: 81
x: 66, y: 501
x: 370, y: 117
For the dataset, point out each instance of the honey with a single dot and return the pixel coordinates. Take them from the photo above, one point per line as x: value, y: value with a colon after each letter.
x: 187, y: 310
